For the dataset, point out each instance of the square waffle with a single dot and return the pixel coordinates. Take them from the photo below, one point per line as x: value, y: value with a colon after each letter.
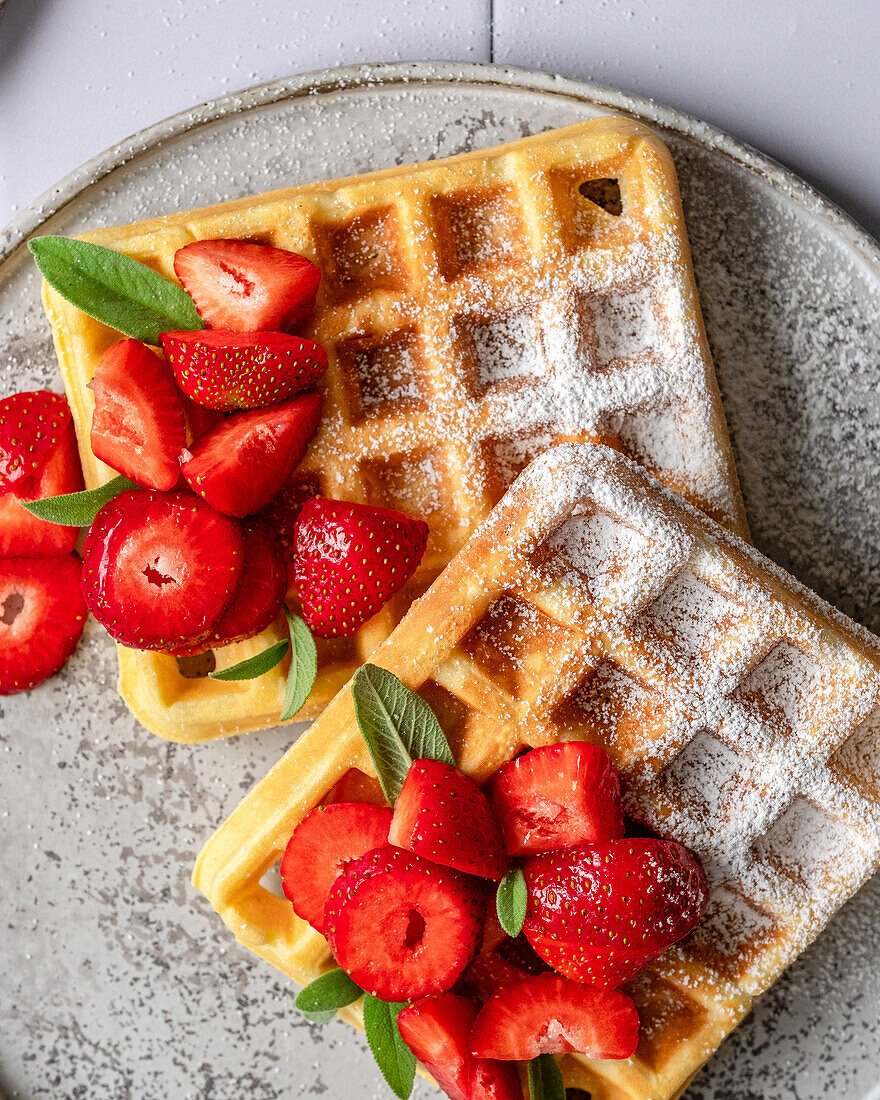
x: 742, y: 712
x: 474, y: 311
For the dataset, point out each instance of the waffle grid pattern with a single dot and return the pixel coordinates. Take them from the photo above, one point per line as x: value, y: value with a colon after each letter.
x: 741, y: 711
x: 474, y: 311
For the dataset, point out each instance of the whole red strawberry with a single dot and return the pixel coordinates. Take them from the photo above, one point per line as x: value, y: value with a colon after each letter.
x: 628, y: 899
x: 30, y: 425
x: 350, y: 559
x: 443, y: 816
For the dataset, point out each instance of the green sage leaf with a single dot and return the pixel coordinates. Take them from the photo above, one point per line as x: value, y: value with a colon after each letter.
x: 77, y: 509
x: 511, y: 901
x: 258, y: 665
x: 545, y: 1079
x: 393, y: 1057
x: 320, y: 1000
x: 114, y: 289
x: 303, y: 666
x: 398, y: 726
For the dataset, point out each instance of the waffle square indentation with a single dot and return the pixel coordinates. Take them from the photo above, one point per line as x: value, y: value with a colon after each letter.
x: 808, y: 845
x: 781, y: 688
x: 382, y: 374
x: 583, y: 221
x: 624, y: 323
x: 414, y: 482
x: 733, y: 934
x: 506, y: 456
x: 501, y: 350
x: 477, y: 229
x: 858, y: 758
x: 360, y: 255
x: 707, y: 776
x: 689, y: 620
x: 667, y: 1017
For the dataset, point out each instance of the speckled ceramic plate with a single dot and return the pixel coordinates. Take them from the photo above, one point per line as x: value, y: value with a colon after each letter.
x: 115, y: 980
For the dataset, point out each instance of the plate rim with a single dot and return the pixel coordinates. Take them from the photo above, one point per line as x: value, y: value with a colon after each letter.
x: 472, y: 74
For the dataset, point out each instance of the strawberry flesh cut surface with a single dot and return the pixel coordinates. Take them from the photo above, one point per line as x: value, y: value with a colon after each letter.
x: 159, y: 569
x: 323, y: 844
x: 42, y: 615
x: 350, y: 559
x: 239, y: 465
x: 437, y: 1030
x: 402, y: 927
x: 443, y: 816
x: 260, y: 595
x: 247, y: 287
x: 23, y: 535
x: 31, y: 424
x: 139, y: 423
x: 636, y: 896
x: 558, y: 796
x: 227, y: 370
x: 549, y: 1014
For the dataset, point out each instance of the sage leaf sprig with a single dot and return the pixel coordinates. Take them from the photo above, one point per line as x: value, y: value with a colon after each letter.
x: 545, y: 1079
x: 321, y: 999
x: 511, y: 901
x: 393, y: 1057
x: 114, y: 289
x: 398, y: 726
x: 77, y: 509
x: 255, y: 666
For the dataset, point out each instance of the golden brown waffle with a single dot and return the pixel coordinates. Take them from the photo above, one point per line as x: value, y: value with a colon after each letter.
x: 474, y: 311
x: 742, y: 711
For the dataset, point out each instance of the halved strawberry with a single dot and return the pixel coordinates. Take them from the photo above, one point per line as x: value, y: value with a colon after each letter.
x: 22, y: 535
x: 636, y: 895
x: 259, y: 598
x: 350, y: 559
x: 242, y: 463
x: 548, y: 1014
x: 437, y: 1030
x: 607, y: 967
x: 443, y: 816
x: 558, y: 796
x: 30, y: 425
x: 138, y: 426
x: 230, y: 370
x: 159, y: 569
x: 321, y: 848
x: 247, y: 287
x: 402, y: 927
x: 42, y: 615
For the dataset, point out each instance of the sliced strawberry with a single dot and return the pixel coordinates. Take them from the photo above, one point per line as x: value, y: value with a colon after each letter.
x: 242, y: 463
x: 247, y: 287
x: 260, y: 595
x: 321, y: 848
x: 350, y: 560
x: 636, y: 895
x: 42, y: 615
x: 159, y: 569
x: 402, y: 927
x: 30, y: 425
x: 500, y: 961
x: 443, y: 816
x: 356, y: 786
x: 139, y: 426
x: 549, y: 1014
x: 22, y: 535
x: 606, y: 967
x: 230, y: 370
x: 437, y: 1030
x: 558, y: 796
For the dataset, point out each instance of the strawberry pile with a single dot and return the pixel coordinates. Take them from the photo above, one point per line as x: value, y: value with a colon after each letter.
x: 210, y: 431
x: 403, y: 897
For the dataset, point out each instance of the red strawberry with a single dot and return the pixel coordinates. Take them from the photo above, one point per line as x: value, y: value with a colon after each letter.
x: 259, y: 599
x: 30, y: 426
x: 559, y: 796
x: 42, y: 615
x: 500, y: 960
x: 247, y: 287
x: 549, y: 1014
x: 437, y: 1030
x: 355, y: 786
x: 602, y: 966
x: 402, y: 927
x: 282, y: 511
x: 139, y: 426
x: 159, y: 569
x: 321, y: 848
x: 23, y: 535
x: 635, y: 895
x: 350, y: 560
x: 443, y: 816
x: 229, y: 370
x: 199, y: 420
x: 242, y: 463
